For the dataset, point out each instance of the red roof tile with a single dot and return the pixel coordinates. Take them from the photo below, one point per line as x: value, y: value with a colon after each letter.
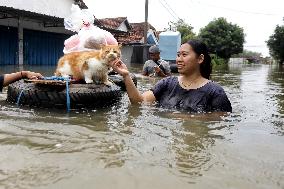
x: 112, y: 23
x: 135, y: 34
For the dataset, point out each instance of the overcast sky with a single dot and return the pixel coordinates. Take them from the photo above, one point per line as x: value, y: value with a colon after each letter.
x: 257, y: 18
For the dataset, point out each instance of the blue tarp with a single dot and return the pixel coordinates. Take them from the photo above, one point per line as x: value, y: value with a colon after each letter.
x: 151, y: 38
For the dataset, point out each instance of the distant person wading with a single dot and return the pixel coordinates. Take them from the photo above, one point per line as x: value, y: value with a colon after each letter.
x: 156, y: 66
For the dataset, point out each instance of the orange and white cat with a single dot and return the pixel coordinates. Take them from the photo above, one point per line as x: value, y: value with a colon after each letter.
x: 88, y: 65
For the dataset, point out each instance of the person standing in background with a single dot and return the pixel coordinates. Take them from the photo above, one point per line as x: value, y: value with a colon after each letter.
x: 156, y: 66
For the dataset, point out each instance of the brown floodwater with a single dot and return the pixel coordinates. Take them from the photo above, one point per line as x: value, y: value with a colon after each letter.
x: 128, y: 146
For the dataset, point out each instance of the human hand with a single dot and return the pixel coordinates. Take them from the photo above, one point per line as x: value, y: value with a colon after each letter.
x: 157, y: 69
x: 118, y: 66
x: 31, y: 75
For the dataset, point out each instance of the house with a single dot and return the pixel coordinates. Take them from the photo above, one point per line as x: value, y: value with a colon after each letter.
x: 136, y: 35
x: 134, y: 50
x: 130, y: 35
x: 126, y: 33
x: 33, y: 32
x: 119, y: 27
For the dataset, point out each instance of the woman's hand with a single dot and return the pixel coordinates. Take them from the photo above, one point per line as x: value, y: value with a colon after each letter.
x: 118, y: 66
x: 12, y: 77
x: 31, y: 75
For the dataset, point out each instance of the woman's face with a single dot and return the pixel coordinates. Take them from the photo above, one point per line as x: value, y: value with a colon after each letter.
x: 187, y: 60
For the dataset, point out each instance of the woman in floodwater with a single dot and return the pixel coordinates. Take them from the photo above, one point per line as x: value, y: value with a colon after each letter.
x: 191, y: 91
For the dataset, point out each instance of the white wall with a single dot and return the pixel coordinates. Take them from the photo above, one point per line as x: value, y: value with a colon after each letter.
x: 57, y: 8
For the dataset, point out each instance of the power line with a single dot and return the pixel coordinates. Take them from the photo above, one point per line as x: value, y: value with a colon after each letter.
x: 238, y: 11
x: 169, y: 10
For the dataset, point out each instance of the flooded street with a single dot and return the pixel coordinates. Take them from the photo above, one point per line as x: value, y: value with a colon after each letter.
x: 128, y: 146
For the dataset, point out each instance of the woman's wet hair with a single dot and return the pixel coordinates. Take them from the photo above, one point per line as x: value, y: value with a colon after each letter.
x: 200, y: 48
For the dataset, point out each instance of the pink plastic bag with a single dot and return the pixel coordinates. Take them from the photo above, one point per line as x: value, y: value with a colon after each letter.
x: 89, y: 37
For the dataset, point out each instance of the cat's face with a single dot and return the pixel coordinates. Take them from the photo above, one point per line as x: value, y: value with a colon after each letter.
x: 111, y: 52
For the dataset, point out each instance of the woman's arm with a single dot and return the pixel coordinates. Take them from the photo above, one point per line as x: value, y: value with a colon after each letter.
x: 134, y: 95
x: 12, y: 77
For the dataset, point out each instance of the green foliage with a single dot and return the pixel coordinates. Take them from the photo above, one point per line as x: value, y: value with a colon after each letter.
x: 247, y: 54
x: 184, y: 29
x: 217, y: 61
x: 222, y: 38
x: 276, y: 44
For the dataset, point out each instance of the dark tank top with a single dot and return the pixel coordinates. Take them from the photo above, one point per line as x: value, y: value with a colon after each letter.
x: 209, y: 98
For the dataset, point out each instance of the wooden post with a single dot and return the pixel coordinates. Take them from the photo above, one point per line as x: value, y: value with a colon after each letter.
x: 146, y: 22
x: 20, y: 42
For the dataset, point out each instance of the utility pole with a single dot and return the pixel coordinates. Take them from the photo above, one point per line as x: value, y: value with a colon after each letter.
x: 146, y: 22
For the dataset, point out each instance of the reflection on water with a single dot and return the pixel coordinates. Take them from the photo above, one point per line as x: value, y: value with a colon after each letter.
x: 129, y: 146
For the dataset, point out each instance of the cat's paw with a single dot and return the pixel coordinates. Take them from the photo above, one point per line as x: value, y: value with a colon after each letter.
x: 89, y: 81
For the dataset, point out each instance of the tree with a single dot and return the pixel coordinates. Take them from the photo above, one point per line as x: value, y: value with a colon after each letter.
x: 276, y: 44
x: 222, y: 38
x: 251, y: 57
x: 247, y: 54
x: 184, y: 29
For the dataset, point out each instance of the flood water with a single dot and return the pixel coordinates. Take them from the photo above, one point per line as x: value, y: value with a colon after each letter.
x: 127, y: 146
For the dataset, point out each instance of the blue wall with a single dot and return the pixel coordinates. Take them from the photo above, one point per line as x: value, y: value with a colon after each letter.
x: 43, y: 48
x: 8, y: 45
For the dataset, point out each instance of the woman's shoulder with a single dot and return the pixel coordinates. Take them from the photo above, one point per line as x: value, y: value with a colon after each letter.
x: 167, y: 81
x: 213, y: 86
x: 220, y: 101
x: 170, y: 79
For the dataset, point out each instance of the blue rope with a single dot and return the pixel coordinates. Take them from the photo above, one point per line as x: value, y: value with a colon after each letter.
x: 56, y: 78
x: 67, y: 96
x: 67, y: 79
x: 19, y: 97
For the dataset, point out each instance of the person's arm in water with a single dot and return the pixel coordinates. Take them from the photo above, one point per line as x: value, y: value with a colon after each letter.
x: 163, y: 69
x: 134, y: 95
x: 160, y: 72
x: 12, y: 77
x: 145, y: 72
